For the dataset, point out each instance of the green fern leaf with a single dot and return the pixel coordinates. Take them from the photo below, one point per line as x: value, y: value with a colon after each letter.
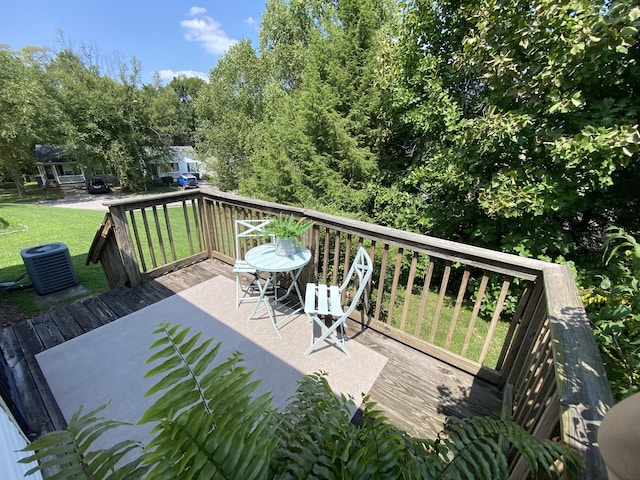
x: 68, y: 453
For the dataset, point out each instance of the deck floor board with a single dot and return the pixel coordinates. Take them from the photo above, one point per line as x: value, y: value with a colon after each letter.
x: 415, y: 391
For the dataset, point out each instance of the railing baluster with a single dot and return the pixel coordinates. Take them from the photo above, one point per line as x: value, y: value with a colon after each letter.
x: 218, y: 233
x: 441, y: 296
x: 394, y: 286
x: 409, y: 290
x: 426, y: 289
x: 152, y: 253
x: 381, y: 279
x: 325, y: 256
x: 458, y: 307
x: 474, y: 315
x: 336, y: 260
x: 196, y: 207
x: 494, y: 320
x: 514, y: 324
x: 167, y: 222
x: 185, y: 215
x: 156, y: 221
x: 136, y: 234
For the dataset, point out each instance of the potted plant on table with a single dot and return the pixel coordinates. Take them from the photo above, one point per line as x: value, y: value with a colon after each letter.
x: 287, y: 232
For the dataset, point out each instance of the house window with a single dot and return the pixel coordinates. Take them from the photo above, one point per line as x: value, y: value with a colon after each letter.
x: 192, y: 167
x: 173, y: 167
x: 70, y: 169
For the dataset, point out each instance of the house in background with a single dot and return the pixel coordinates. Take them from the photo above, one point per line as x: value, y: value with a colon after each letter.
x: 57, y: 167
x: 182, y: 161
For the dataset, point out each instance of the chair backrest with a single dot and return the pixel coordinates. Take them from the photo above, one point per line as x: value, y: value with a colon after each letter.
x: 360, y: 272
x: 248, y: 229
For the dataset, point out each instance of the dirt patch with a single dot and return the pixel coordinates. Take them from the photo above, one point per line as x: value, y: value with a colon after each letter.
x: 9, y: 313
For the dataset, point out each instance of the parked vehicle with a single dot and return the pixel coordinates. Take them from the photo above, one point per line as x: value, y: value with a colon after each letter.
x: 97, y: 185
x: 187, y: 180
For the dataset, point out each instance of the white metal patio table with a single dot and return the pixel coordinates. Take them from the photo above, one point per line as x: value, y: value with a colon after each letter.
x: 265, y: 260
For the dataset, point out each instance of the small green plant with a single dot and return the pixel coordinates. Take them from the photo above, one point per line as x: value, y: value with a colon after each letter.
x: 614, y: 310
x: 209, y: 424
x: 288, y: 228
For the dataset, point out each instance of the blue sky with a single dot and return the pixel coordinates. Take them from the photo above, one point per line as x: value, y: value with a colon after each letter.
x: 167, y: 37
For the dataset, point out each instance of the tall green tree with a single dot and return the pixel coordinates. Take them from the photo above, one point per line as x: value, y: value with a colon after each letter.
x: 119, y: 125
x: 322, y: 129
x: 298, y: 120
x: 29, y: 113
x: 229, y: 112
x: 536, y: 106
x: 186, y: 90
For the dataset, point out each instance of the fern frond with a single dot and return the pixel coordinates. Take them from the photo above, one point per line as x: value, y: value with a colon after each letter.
x: 68, y: 452
x: 208, y: 424
x: 470, y: 448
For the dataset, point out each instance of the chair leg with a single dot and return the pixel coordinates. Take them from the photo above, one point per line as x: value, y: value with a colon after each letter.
x: 237, y: 290
x: 327, y: 332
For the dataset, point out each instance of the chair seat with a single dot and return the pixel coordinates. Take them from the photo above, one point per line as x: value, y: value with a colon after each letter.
x: 243, y: 267
x: 323, y: 300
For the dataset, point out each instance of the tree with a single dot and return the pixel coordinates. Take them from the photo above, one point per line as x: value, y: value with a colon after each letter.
x: 299, y: 122
x: 186, y: 90
x: 28, y: 111
x: 229, y: 111
x: 536, y: 108
x: 118, y: 126
x: 614, y: 309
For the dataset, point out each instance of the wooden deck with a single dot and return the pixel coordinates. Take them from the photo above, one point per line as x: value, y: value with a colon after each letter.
x: 415, y: 391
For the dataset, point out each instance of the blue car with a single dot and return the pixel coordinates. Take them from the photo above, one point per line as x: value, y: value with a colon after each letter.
x: 187, y: 180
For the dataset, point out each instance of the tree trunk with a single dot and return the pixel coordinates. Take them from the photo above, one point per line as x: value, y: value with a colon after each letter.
x: 18, y: 180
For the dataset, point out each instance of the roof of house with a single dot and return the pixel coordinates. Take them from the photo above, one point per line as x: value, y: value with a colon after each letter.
x: 52, y: 154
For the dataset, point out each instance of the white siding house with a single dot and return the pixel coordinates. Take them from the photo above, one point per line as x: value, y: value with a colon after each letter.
x: 183, y: 161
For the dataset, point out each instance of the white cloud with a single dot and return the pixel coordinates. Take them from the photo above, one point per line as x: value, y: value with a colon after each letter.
x: 250, y: 21
x: 168, y: 75
x: 193, y: 11
x: 204, y: 29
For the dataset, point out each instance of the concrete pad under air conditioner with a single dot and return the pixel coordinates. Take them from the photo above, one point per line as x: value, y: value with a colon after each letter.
x: 50, y: 299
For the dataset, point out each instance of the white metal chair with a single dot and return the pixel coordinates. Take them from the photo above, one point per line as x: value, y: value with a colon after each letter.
x: 248, y: 233
x: 323, y: 301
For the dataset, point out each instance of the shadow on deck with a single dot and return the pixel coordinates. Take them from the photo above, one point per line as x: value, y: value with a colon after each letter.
x: 415, y: 391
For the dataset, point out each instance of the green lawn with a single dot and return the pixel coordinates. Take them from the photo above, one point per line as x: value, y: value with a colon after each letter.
x: 479, y: 331
x: 30, y: 225
x: 26, y: 223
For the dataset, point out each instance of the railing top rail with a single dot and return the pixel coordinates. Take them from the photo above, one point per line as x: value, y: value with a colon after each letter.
x: 581, y: 382
x: 509, y: 264
x: 150, y: 200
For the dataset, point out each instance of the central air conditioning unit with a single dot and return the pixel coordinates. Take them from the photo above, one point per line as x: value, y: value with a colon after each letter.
x: 49, y: 267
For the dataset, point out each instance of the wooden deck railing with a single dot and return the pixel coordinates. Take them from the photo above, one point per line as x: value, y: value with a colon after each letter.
x: 512, y: 321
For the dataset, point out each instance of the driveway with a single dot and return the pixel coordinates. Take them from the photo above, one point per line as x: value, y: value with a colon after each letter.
x: 79, y: 198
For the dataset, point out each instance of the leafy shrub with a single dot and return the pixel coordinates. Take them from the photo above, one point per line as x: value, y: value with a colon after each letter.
x: 167, y: 181
x: 613, y: 307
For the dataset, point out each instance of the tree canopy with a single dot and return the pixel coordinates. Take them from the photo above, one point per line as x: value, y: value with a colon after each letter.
x: 535, y: 119
x: 507, y: 125
x: 110, y: 123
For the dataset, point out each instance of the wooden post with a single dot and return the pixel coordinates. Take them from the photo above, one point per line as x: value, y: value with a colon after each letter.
x: 125, y: 244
